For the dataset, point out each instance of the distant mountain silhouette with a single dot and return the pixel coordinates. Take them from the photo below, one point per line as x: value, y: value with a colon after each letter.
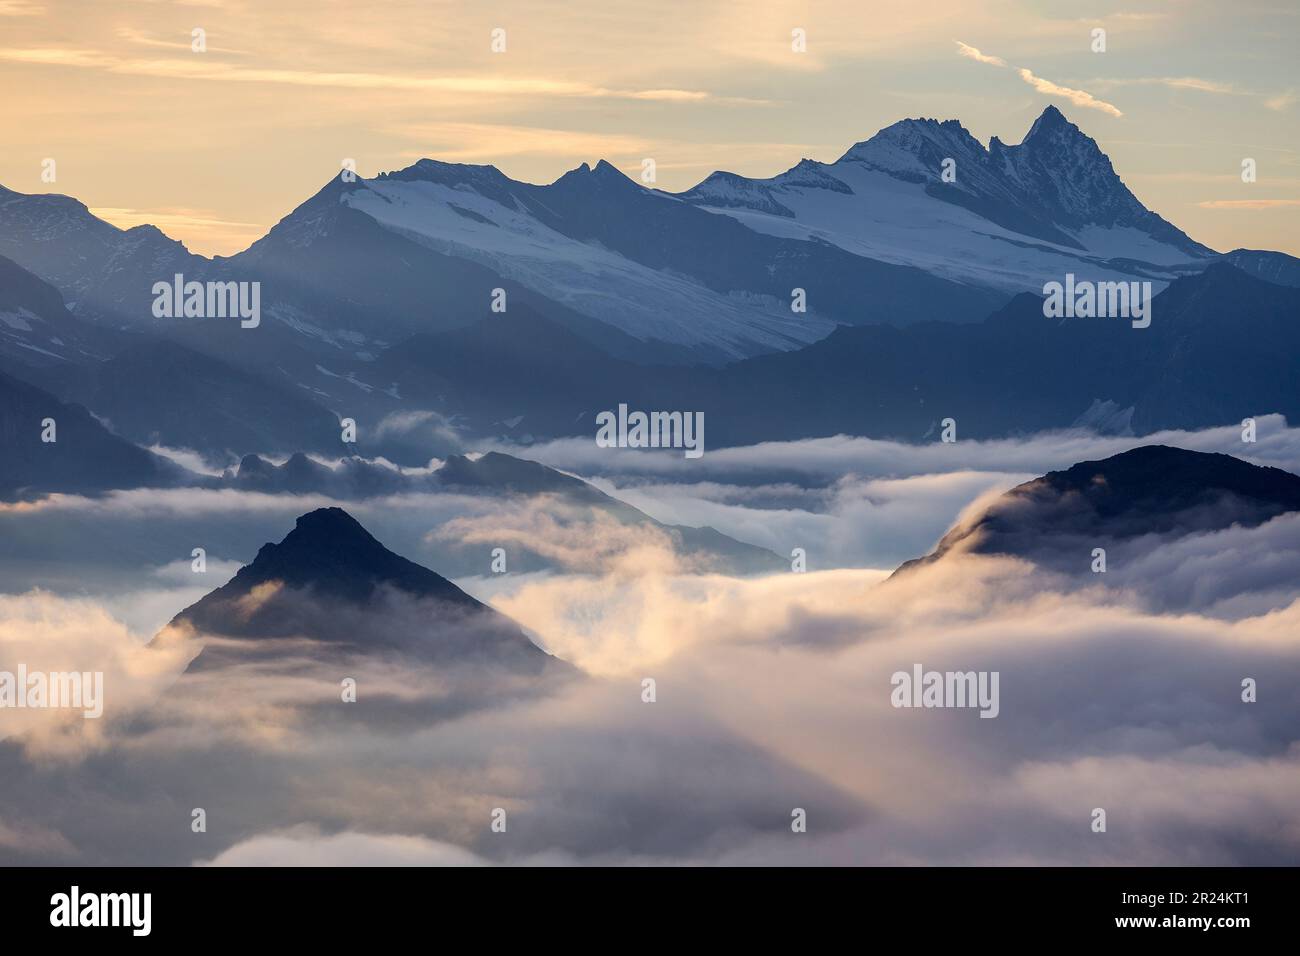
x: 1152, y: 490
x: 503, y: 477
x: 505, y: 473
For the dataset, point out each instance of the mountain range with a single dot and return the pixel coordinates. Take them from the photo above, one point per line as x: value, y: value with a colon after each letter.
x: 920, y: 278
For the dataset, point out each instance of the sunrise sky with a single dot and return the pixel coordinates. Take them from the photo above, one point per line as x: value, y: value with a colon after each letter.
x: 215, y: 147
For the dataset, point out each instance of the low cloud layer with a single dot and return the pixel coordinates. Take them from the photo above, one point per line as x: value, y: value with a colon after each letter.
x: 771, y: 694
x: 1121, y: 692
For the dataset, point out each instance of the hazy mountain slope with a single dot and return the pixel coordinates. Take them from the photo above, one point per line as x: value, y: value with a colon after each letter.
x: 36, y: 330
x: 104, y: 273
x: 1276, y: 267
x: 153, y: 389
x: 85, y: 457
x: 1221, y: 346
x: 156, y: 391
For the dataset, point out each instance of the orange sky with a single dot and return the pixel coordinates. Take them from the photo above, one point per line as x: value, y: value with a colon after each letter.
x: 215, y: 146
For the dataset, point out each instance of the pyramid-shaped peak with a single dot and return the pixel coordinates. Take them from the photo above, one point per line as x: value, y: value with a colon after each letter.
x: 333, y: 523
x: 329, y: 552
x: 1052, y: 124
x: 331, y: 581
x: 1050, y: 115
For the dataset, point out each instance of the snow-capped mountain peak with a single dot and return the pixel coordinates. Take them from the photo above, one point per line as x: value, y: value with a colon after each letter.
x: 913, y: 149
x: 926, y: 192
x: 919, y: 222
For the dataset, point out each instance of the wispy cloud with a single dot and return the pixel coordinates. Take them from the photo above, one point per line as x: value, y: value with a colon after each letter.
x: 1077, y: 97
x: 455, y: 141
x: 20, y: 8
x: 461, y: 142
x: 1276, y: 102
x: 143, y: 39
x: 1281, y: 101
x: 1173, y: 82
x: 966, y: 50
x: 201, y: 68
x: 1248, y: 203
x: 1044, y: 86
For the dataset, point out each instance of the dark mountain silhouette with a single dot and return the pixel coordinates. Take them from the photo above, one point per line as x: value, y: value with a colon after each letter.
x: 330, y: 552
x: 1153, y: 490
x: 330, y: 581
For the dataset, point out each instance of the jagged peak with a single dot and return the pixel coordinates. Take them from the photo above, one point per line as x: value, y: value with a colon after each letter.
x: 1048, y: 119
x: 1052, y: 127
x: 910, y: 133
x: 604, y: 172
x: 440, y: 171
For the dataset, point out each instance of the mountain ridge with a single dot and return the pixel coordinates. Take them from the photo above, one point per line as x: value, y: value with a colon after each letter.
x: 645, y: 274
